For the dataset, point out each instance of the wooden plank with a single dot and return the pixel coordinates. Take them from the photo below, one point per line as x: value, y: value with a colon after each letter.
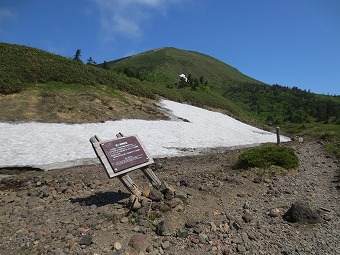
x: 130, y: 184
x: 100, y: 154
x: 155, y: 181
x: 278, y: 135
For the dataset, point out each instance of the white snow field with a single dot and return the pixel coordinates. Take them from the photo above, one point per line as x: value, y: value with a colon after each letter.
x: 51, y: 146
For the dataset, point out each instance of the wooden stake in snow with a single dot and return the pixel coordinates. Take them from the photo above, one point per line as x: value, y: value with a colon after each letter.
x: 278, y: 135
x: 122, y: 155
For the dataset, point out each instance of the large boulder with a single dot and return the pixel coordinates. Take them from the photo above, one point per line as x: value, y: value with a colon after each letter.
x: 301, y: 212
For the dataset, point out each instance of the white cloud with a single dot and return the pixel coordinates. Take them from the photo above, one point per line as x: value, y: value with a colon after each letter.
x: 5, y: 14
x: 126, y: 17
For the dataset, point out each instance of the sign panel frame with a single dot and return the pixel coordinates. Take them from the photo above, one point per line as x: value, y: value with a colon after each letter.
x: 122, y: 155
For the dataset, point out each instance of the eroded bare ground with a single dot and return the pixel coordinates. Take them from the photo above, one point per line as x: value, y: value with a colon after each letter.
x: 80, y: 211
x: 75, y: 107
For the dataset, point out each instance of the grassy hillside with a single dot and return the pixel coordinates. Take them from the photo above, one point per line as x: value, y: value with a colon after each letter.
x: 22, y: 68
x: 166, y: 64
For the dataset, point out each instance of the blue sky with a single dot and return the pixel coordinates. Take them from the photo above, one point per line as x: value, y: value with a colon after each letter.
x: 291, y: 42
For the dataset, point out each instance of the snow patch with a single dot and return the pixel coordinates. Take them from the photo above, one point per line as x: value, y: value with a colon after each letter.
x: 192, y: 130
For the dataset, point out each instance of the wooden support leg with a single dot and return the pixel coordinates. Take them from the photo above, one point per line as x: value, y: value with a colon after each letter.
x: 130, y: 185
x: 152, y: 177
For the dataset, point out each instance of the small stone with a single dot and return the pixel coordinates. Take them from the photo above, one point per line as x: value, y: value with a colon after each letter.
x: 182, y: 233
x: 213, y: 226
x: 59, y: 251
x: 195, y: 240
x: 191, y: 223
x: 93, y: 206
x: 203, y: 238
x: 247, y: 217
x: 156, y: 195
x: 258, y: 179
x: 139, y: 242
x: 184, y: 183
x: 241, y: 248
x: 169, y: 194
x: 266, y: 180
x: 237, y: 240
x: 172, y: 203
x: 164, y: 228
x: 124, y: 220
x: 246, y: 206
x: 274, y: 212
x: 224, y: 227
x: 328, y: 217
x: 165, y: 245
x: 215, y: 242
x: 251, y: 236
x: 86, y: 240
x: 117, y: 246
x: 8, y: 199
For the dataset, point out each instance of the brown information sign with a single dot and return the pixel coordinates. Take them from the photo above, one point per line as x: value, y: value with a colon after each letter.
x: 124, y: 153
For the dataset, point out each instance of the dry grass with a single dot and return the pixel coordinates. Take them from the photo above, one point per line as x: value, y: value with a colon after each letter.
x: 75, y: 106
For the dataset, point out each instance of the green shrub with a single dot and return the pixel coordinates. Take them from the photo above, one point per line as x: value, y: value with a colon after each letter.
x: 266, y: 156
x: 10, y: 88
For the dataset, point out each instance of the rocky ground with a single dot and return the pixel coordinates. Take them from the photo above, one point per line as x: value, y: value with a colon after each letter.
x: 213, y: 209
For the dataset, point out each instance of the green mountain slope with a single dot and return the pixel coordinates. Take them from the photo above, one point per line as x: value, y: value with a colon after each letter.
x: 50, y: 87
x: 155, y: 73
x: 268, y: 104
x: 166, y: 64
x: 24, y: 67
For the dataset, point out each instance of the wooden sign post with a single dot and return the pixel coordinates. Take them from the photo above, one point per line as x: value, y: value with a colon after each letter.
x: 122, y: 155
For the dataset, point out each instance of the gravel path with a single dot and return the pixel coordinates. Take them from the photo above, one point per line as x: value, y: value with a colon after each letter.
x: 214, y: 210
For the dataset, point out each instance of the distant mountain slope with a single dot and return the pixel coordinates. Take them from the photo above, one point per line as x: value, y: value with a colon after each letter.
x: 211, y: 83
x: 166, y: 64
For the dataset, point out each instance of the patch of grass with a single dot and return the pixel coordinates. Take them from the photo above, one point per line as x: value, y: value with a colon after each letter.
x: 328, y: 133
x: 267, y: 156
x: 154, y: 216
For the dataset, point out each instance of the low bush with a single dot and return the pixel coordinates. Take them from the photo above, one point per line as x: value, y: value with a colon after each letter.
x: 266, y: 156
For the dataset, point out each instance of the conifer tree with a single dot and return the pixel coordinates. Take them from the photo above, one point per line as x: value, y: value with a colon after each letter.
x: 77, y: 55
